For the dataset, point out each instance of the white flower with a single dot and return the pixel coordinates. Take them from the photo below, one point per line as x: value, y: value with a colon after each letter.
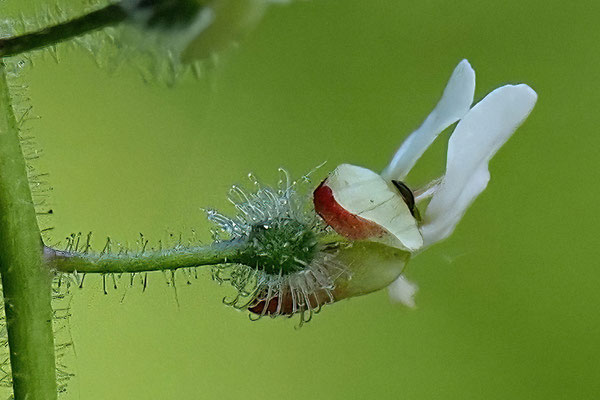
x: 363, y: 205
x: 291, y: 262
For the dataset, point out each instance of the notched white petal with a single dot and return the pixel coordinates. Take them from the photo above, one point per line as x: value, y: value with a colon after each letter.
x: 477, y: 137
x: 454, y: 104
x: 403, y: 291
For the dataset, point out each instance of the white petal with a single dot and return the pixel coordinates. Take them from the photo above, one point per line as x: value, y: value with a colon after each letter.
x: 403, y: 291
x: 366, y: 194
x: 477, y: 137
x: 454, y: 104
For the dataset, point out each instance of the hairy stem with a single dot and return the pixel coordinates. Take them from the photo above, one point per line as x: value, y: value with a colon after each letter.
x: 26, y: 284
x: 220, y: 253
x: 107, y: 16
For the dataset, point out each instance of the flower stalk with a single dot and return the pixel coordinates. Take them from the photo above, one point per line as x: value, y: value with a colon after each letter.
x: 218, y: 253
x: 108, y: 16
x: 26, y: 284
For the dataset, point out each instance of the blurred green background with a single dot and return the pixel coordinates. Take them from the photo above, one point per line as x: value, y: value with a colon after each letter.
x: 507, y: 307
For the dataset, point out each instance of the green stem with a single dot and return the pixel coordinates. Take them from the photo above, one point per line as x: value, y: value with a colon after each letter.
x: 107, y: 16
x: 220, y: 253
x: 26, y: 284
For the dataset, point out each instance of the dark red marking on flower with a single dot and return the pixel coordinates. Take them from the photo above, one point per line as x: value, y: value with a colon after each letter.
x: 271, y: 307
x: 342, y: 221
x: 316, y: 299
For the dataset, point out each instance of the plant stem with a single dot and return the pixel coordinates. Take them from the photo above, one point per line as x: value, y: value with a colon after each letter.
x: 107, y: 16
x: 26, y: 284
x: 220, y: 253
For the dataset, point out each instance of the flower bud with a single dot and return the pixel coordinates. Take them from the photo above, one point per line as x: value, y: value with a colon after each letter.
x: 232, y: 21
x: 195, y: 30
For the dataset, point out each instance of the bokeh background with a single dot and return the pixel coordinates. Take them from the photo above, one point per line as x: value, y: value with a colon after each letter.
x: 508, y: 307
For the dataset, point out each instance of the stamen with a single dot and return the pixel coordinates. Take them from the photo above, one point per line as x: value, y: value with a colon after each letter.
x: 427, y: 191
x: 406, y: 194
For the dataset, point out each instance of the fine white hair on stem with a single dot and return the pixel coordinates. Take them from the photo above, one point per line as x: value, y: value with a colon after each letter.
x: 477, y: 137
x: 454, y: 104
